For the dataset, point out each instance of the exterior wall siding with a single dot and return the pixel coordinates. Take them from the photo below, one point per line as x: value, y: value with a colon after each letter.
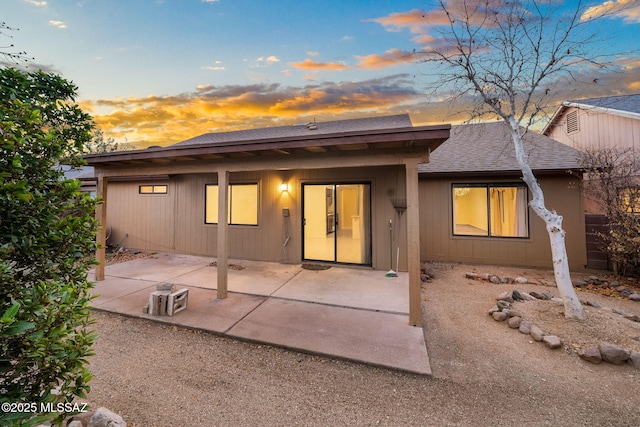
x: 437, y: 242
x: 598, y: 130
x: 174, y: 222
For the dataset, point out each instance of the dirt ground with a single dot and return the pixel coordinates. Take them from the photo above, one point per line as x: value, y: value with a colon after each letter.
x: 483, y: 372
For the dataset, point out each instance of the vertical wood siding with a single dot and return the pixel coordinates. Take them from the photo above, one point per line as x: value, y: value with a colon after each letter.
x: 598, y: 130
x: 438, y: 243
x: 174, y: 222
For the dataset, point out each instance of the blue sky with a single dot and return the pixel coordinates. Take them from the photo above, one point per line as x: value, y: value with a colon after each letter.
x: 155, y: 72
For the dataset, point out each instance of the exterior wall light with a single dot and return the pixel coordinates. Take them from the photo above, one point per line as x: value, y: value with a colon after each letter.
x: 284, y: 187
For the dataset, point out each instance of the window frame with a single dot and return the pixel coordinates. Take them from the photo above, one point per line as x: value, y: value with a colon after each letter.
x: 488, y: 187
x: 230, y: 203
x: 153, y: 189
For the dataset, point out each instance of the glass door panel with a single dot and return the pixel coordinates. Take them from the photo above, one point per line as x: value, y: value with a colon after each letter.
x: 319, y: 222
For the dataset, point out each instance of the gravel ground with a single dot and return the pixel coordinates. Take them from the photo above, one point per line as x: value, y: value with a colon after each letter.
x: 484, y: 374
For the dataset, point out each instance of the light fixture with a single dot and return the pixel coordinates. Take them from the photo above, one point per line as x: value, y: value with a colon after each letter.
x: 284, y: 187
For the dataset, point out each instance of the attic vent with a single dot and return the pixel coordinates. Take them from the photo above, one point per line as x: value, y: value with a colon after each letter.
x: 572, y: 122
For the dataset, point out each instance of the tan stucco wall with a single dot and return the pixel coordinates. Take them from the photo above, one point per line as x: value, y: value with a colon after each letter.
x: 438, y: 243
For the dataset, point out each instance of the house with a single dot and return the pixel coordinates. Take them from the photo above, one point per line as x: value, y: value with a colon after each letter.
x: 473, y: 202
x: 608, y: 122
x: 611, y: 122
x: 357, y: 192
x: 317, y: 192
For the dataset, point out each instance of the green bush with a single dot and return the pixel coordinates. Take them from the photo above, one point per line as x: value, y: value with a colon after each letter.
x: 47, y: 242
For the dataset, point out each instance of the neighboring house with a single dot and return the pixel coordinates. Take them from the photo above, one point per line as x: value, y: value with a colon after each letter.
x: 473, y: 202
x: 608, y: 122
x: 611, y: 122
x: 315, y: 192
x: 85, y: 175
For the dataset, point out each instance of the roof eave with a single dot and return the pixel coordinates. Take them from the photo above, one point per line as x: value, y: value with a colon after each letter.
x: 434, y: 135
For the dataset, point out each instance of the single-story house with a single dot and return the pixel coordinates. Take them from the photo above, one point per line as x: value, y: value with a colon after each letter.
x: 360, y: 192
x: 321, y: 192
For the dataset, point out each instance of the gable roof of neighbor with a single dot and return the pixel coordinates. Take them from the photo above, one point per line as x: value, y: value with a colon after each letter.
x: 621, y: 105
x: 380, y: 134
x: 303, y: 129
x: 486, y: 148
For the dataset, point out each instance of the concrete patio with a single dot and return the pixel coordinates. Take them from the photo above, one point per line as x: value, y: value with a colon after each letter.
x: 348, y: 313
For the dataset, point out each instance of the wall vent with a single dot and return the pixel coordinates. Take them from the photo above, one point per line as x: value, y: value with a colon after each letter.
x: 572, y: 122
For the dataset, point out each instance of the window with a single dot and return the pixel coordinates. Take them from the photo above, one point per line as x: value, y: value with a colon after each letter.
x: 152, y: 189
x: 630, y: 199
x: 572, y: 122
x: 490, y: 210
x: 242, y: 204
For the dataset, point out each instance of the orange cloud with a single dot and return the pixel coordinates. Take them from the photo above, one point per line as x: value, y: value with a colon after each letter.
x: 309, y: 64
x: 166, y: 120
x: 389, y: 58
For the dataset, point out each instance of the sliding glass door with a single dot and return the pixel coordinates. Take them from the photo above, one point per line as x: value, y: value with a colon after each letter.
x: 337, y: 223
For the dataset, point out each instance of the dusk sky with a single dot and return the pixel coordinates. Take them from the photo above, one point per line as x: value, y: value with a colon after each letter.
x: 156, y: 72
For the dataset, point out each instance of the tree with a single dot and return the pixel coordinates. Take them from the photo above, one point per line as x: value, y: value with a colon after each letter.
x: 47, y: 240
x: 612, y: 182
x: 6, y: 51
x: 101, y: 145
x: 506, y: 57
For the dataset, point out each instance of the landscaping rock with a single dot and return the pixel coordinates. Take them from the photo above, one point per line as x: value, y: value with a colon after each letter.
x: 521, y: 280
x: 590, y: 354
x: 499, y: 316
x: 505, y: 296
x: 613, y: 354
x: 579, y: 283
x: 527, y: 296
x: 634, y: 297
x: 525, y: 327
x: 632, y: 317
x: 105, y: 418
x: 514, y: 322
x: 536, y: 333
x: 474, y: 276
x: 552, y: 341
x: 593, y: 304
x: 503, y: 304
x: 634, y: 359
x: 554, y: 299
x: 517, y: 296
x: 493, y: 309
x: 494, y: 279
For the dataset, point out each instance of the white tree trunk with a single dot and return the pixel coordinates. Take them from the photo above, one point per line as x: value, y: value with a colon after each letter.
x: 553, y: 221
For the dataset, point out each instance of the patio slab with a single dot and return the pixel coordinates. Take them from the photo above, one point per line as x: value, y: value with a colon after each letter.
x: 376, y: 338
x: 350, y: 287
x: 347, y: 313
x: 249, y: 277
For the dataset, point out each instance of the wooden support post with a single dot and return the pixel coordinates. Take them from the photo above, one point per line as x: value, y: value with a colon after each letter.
x: 413, y: 242
x: 223, y: 236
x: 101, y: 236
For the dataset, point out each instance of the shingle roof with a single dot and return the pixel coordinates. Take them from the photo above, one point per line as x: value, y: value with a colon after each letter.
x: 303, y: 129
x: 487, y: 148
x: 628, y: 103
